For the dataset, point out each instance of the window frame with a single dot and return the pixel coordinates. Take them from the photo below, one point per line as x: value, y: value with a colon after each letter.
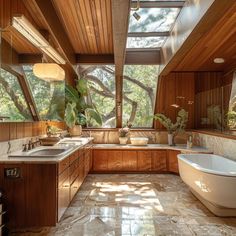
x: 25, y: 90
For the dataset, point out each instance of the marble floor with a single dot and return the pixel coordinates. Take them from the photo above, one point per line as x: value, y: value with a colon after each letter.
x: 137, y: 205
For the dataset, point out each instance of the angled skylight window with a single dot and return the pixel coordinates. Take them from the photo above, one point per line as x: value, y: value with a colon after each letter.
x: 145, y: 42
x: 153, y: 20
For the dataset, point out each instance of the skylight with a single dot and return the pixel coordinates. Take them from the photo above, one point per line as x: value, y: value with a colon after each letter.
x: 153, y: 20
x: 145, y: 42
x: 150, y: 25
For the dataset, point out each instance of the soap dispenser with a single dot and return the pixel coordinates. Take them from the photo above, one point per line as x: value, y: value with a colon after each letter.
x: 190, y: 142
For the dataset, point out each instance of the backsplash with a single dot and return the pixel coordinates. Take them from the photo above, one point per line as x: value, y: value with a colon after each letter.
x: 19, y: 130
x: 113, y: 137
x: 218, y: 145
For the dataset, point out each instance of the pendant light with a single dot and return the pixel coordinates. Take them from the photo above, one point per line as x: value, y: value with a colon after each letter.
x: 49, y: 71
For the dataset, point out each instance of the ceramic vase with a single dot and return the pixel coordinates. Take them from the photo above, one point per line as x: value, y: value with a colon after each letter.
x: 76, y: 130
x: 171, y: 140
x: 123, y: 140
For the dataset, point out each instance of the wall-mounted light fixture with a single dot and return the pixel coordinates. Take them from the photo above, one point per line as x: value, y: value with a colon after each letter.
x: 23, y: 26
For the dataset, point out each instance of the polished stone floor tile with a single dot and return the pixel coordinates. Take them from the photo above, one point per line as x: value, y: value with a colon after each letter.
x: 135, y: 205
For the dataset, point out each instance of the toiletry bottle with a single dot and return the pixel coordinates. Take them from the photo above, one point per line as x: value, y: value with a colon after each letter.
x: 190, y: 142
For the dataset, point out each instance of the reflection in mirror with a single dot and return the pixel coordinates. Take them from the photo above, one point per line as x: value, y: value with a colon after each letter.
x: 229, y: 100
x: 49, y: 97
x: 215, y: 103
x: 13, y: 106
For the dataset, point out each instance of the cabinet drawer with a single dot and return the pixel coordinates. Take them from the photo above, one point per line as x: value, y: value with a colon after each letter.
x: 74, y: 188
x: 74, y: 174
x: 73, y: 157
x: 63, y: 164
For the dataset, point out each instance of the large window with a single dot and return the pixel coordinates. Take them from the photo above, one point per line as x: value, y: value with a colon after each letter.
x: 13, y: 106
x: 49, y: 97
x: 101, y: 83
x: 139, y: 90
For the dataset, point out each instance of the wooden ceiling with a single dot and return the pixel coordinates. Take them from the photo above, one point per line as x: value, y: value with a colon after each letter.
x: 218, y: 42
x: 88, y: 24
x: 83, y: 29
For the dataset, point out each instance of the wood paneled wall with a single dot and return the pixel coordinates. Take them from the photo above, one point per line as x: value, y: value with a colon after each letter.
x: 17, y: 130
x: 176, y: 91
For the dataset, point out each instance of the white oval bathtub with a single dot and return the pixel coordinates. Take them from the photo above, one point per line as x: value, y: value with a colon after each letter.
x: 212, y: 179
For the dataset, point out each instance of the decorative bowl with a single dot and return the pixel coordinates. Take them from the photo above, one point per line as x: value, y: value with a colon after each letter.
x: 139, y: 141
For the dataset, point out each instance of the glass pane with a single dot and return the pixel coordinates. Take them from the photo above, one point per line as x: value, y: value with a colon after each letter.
x: 229, y: 106
x: 145, y: 42
x: 153, y: 19
x: 139, y: 92
x: 101, y: 92
x: 13, y: 106
x: 49, y: 97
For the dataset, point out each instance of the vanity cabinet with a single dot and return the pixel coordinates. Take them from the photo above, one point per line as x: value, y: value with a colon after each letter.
x: 173, y: 161
x: 106, y: 160
x: 37, y: 194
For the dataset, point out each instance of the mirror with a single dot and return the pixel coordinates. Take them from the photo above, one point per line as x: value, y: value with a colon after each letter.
x: 215, y: 103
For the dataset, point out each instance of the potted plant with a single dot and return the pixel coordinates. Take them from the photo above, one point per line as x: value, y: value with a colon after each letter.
x: 173, y: 128
x: 77, y: 111
x: 123, y: 135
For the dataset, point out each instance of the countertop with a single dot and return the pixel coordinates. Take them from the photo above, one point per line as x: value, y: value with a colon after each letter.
x: 178, y: 147
x: 73, y: 148
x: 48, y: 160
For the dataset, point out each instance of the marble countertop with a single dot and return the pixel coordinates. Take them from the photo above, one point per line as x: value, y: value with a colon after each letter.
x: 178, y: 147
x: 47, y: 160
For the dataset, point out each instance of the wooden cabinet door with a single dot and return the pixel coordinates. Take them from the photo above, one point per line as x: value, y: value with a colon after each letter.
x: 173, y: 161
x: 63, y: 192
x: 129, y: 161
x: 100, y: 160
x: 114, y: 160
x: 159, y: 160
x: 144, y: 160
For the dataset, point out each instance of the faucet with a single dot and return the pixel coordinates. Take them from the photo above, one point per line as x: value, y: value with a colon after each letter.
x: 31, y: 145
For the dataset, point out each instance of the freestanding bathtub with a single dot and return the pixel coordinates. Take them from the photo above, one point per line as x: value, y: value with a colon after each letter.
x: 212, y: 179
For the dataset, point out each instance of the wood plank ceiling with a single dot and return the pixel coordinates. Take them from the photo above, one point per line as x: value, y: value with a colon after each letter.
x: 88, y: 24
x: 218, y: 42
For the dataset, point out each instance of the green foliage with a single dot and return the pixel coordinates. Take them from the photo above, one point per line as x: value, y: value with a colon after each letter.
x: 76, y: 106
x: 82, y: 86
x: 49, y: 97
x: 70, y: 114
x: 12, y: 107
x: 93, y: 114
x: 178, y: 126
x: 231, y: 119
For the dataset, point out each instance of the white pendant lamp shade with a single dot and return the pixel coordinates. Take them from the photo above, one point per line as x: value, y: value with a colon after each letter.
x: 49, y: 71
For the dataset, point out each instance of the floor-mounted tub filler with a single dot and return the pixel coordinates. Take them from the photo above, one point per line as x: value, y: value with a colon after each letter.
x: 212, y: 179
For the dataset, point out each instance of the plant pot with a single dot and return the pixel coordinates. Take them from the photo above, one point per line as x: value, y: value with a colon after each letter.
x: 76, y: 130
x: 123, y: 140
x: 171, y: 140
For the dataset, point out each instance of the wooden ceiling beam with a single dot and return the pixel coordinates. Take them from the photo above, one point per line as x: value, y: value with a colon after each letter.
x: 143, y: 57
x: 95, y: 59
x: 29, y: 59
x: 120, y: 22
x: 159, y: 4
x: 48, y: 13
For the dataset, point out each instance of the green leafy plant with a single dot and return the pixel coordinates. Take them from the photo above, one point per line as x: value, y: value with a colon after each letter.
x: 77, y: 111
x: 173, y: 128
x: 231, y: 119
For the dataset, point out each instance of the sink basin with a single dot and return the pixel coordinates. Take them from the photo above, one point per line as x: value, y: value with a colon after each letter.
x: 139, y: 141
x: 43, y: 152
x: 48, y: 152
